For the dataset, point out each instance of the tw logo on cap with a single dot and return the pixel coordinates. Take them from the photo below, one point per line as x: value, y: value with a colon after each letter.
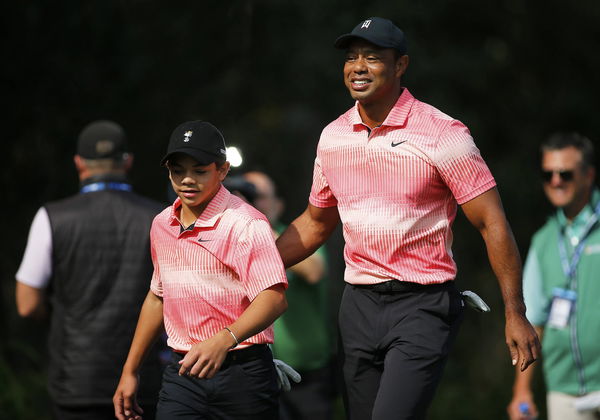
x: 187, y: 136
x: 365, y: 24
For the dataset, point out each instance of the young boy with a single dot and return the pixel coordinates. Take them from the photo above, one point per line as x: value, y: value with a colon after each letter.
x: 218, y: 285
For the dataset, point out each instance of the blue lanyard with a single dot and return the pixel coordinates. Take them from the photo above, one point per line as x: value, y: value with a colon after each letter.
x: 102, y: 186
x: 570, y: 268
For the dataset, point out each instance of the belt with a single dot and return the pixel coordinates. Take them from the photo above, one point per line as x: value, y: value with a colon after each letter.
x: 395, y: 286
x: 236, y: 357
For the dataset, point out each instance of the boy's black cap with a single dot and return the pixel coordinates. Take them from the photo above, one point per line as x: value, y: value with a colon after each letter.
x: 379, y: 31
x: 102, y: 139
x: 198, y: 139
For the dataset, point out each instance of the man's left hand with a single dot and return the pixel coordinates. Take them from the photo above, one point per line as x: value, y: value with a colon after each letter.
x: 522, y: 340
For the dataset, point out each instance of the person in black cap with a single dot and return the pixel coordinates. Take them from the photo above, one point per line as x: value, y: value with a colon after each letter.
x: 88, y: 256
x: 217, y: 287
x: 394, y: 170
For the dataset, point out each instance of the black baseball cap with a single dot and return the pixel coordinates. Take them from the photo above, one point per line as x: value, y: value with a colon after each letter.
x: 198, y: 139
x: 379, y: 31
x: 102, y: 139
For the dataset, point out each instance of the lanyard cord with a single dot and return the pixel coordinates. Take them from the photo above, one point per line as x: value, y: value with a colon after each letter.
x: 570, y: 267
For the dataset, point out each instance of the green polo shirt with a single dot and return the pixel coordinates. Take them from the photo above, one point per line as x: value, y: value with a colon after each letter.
x: 302, y: 334
x: 571, y: 356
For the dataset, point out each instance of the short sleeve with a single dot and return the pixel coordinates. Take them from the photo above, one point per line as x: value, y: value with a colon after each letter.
x: 36, y: 267
x: 460, y: 164
x: 257, y: 262
x: 320, y: 193
x: 533, y: 292
x: 156, y: 282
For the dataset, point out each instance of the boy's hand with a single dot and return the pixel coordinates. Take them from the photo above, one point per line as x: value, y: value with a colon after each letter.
x: 125, y: 401
x: 205, y: 358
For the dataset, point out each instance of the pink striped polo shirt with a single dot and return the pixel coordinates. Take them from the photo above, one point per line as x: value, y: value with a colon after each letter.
x: 397, y: 189
x: 209, y: 275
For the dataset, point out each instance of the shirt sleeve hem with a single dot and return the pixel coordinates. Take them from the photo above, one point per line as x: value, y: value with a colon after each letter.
x: 30, y: 283
x: 252, y: 296
x: 321, y: 203
x: 476, y: 192
x: 156, y: 291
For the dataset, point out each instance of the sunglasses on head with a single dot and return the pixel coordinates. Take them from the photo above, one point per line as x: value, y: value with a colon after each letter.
x: 565, y: 176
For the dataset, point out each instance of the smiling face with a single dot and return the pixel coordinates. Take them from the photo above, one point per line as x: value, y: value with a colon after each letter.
x: 195, y: 184
x: 372, y: 74
x: 569, y: 194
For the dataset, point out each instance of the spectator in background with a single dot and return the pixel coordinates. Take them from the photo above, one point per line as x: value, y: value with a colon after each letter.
x: 561, y: 284
x: 302, y: 334
x: 237, y: 185
x: 88, y: 257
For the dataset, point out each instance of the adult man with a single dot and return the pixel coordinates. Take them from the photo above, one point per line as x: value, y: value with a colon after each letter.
x: 393, y: 170
x: 303, y: 337
x: 89, y: 255
x: 560, y: 283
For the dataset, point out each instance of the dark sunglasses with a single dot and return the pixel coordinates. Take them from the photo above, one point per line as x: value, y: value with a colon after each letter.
x: 565, y: 176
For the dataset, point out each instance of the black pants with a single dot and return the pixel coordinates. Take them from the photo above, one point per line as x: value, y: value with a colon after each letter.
x: 242, y: 389
x: 395, y: 344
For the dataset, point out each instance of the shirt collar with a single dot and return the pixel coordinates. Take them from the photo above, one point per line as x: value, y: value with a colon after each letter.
x: 211, y: 214
x: 397, y: 115
x: 579, y: 221
x: 104, y: 178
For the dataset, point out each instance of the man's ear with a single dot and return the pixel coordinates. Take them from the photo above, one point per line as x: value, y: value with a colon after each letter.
x: 82, y: 169
x: 79, y: 165
x: 401, y: 65
x: 127, y: 162
x: 591, y: 175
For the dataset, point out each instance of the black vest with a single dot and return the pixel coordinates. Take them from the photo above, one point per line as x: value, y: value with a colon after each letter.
x: 101, y: 275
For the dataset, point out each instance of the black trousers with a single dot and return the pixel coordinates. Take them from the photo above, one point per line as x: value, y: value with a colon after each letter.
x: 395, y: 344
x: 242, y: 389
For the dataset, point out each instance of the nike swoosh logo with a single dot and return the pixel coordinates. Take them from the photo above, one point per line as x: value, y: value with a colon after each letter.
x: 204, y: 240
x: 396, y: 144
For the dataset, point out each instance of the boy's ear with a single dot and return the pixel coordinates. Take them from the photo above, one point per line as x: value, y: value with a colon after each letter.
x: 224, y: 170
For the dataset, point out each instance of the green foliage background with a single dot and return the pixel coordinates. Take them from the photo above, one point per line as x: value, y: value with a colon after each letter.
x: 266, y: 74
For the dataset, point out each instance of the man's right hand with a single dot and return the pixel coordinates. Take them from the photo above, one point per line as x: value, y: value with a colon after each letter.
x: 125, y: 401
x: 522, y: 407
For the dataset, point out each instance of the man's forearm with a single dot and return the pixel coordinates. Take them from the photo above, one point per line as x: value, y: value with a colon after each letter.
x: 311, y: 269
x: 486, y: 214
x: 307, y: 233
x: 31, y: 301
x: 505, y: 261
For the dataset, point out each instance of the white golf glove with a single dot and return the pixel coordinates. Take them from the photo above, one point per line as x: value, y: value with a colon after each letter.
x: 284, y: 374
x: 474, y: 301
